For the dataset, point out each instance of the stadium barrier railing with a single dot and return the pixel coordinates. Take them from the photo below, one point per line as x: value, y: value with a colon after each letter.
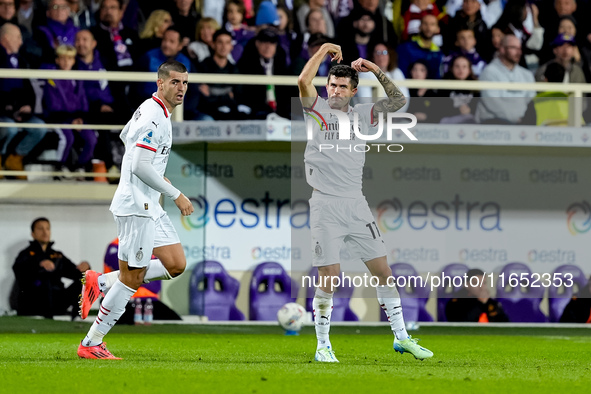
x: 574, y: 90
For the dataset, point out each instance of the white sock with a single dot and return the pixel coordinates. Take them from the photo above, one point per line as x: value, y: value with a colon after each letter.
x: 106, y: 281
x: 156, y: 271
x: 322, y: 306
x: 389, y: 300
x: 110, y: 311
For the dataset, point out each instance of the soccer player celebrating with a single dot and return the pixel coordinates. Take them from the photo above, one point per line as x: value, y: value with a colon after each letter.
x: 338, y: 210
x: 143, y: 227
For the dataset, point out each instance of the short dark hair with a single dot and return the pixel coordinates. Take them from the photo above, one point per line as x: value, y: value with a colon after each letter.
x: 121, y: 3
x: 317, y: 39
x: 221, y: 32
x: 168, y: 66
x: 343, y: 71
x: 41, y: 219
x: 554, y: 72
x: 174, y: 29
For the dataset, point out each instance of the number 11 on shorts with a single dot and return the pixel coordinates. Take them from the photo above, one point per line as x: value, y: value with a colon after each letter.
x: 373, y: 234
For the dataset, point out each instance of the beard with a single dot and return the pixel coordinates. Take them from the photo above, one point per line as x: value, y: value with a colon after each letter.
x: 361, y: 33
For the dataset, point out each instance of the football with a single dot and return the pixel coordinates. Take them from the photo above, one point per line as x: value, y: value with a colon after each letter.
x: 291, y: 316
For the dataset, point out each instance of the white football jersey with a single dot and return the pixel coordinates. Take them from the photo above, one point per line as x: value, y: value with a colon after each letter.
x: 338, y: 170
x: 149, y: 128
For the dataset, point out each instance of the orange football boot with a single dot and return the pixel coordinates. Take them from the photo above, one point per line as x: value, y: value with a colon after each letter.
x: 99, y: 352
x: 90, y: 292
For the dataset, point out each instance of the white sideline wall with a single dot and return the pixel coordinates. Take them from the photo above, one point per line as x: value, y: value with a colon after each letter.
x: 81, y: 232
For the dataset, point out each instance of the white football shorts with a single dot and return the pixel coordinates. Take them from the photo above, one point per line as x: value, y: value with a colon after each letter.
x: 139, y: 235
x: 336, y: 222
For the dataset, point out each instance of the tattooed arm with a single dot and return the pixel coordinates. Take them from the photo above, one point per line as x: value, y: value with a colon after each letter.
x: 395, y: 100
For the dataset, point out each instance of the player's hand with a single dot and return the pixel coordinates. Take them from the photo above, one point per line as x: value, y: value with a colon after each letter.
x: 47, y: 265
x: 363, y: 65
x: 184, y: 205
x: 334, y: 51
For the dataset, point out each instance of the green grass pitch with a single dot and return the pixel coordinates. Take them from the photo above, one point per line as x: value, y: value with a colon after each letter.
x: 38, y: 356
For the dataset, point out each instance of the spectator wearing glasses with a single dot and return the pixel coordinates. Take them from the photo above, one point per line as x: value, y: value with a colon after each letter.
x: 59, y: 29
x: 116, y: 43
x: 117, y: 46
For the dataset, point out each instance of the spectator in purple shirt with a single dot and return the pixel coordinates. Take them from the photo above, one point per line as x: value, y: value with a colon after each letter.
x: 65, y: 101
x: 98, y: 92
x: 241, y: 33
x: 58, y: 30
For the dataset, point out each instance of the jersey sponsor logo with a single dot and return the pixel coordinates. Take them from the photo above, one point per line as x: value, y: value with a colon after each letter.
x: 137, y: 115
x: 165, y: 150
x: 344, y: 124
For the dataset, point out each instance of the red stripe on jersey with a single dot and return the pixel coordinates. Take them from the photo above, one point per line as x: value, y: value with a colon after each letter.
x: 105, y: 309
x: 312, y: 107
x: 146, y: 147
x: 161, y: 104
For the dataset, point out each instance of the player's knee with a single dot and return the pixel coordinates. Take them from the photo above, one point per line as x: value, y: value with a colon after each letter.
x: 132, y: 280
x: 178, y: 268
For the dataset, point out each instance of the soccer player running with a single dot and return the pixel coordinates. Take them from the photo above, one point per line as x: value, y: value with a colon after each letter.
x: 143, y: 227
x: 339, y: 212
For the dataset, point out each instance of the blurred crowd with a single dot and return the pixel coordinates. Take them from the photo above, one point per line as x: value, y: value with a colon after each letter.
x: 489, y: 40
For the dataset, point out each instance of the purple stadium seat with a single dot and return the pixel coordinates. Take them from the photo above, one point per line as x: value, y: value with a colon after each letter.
x: 444, y: 294
x: 341, y: 310
x: 559, y: 297
x: 521, y: 303
x: 213, y: 292
x: 270, y: 289
x: 413, y: 299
